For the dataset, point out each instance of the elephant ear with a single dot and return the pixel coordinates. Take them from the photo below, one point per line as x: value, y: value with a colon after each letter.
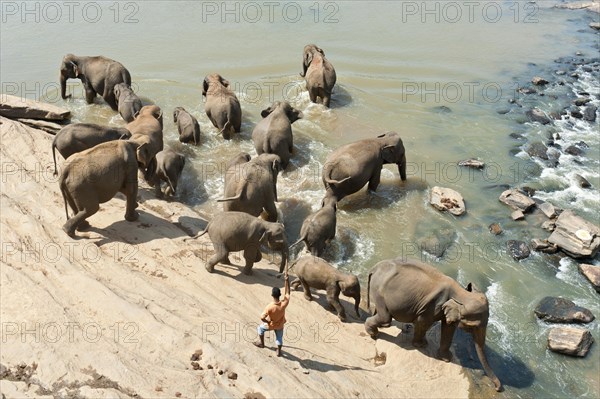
x: 267, y: 111
x: 205, y: 86
x: 473, y: 288
x: 293, y: 114
x: 388, y: 154
x: 224, y: 81
x: 75, y: 68
x: 451, y: 310
x: 142, y: 154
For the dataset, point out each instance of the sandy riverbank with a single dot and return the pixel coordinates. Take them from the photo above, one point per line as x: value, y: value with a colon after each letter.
x: 120, y: 313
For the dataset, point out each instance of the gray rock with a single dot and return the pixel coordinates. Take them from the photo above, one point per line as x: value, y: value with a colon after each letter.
x: 17, y: 107
x: 561, y: 310
x: 570, y: 341
x: 576, y: 113
x: 538, y: 150
x: 549, y: 225
x: 595, y: 25
x: 518, y: 249
x: 581, y: 101
x: 472, y: 163
x: 577, y: 237
x: 446, y: 199
x: 573, y: 150
x: 543, y: 246
x: 437, y: 242
x: 539, y: 81
x: 592, y: 273
x: 582, y: 181
x: 526, y: 90
x: 517, y: 200
x: 517, y: 215
x: 47, y: 126
x: 537, y: 115
x: 548, y: 210
x: 590, y: 113
x: 495, y: 229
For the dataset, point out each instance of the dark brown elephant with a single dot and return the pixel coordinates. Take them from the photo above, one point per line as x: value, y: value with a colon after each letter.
x: 319, y: 74
x: 413, y: 292
x: 350, y: 167
x: 99, y: 75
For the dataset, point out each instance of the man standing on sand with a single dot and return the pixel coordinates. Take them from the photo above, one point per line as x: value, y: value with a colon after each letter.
x: 273, y: 317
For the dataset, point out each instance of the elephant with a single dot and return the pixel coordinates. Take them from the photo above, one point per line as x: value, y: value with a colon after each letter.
x: 273, y: 134
x: 99, y: 75
x: 318, y: 73
x: 147, y: 128
x: 94, y: 176
x: 187, y: 125
x: 315, y: 272
x: 350, y: 167
x: 222, y: 106
x: 414, y: 292
x: 251, y: 186
x: 128, y: 103
x: 169, y: 166
x: 319, y: 228
x: 78, y: 137
x: 239, y: 231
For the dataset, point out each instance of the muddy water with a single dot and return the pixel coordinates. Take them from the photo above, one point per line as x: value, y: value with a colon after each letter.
x: 436, y: 74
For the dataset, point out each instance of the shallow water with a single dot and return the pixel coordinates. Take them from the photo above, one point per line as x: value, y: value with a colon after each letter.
x: 396, y: 66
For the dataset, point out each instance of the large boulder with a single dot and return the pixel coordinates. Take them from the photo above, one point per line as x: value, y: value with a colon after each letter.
x: 518, y: 249
x: 561, y: 310
x: 537, y: 115
x: 575, y: 236
x: 17, y: 107
x: 517, y: 200
x: 570, y: 341
x: 538, y: 150
x: 592, y: 273
x: 446, y: 199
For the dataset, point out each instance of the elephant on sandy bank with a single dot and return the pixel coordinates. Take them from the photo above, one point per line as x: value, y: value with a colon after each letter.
x: 319, y: 74
x: 350, y: 167
x: 413, y: 292
x: 99, y: 75
x: 238, y: 231
x: 78, y: 137
x: 273, y: 134
x: 94, y: 176
x: 222, y: 106
x: 317, y: 273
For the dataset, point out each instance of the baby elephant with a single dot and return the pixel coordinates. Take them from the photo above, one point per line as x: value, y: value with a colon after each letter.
x: 128, y: 103
x: 315, y: 272
x: 318, y: 229
x: 187, y: 125
x: 78, y: 137
x: 169, y: 166
x: 238, y: 231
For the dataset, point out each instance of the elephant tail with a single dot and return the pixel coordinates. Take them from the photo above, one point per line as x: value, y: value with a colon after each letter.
x: 54, y: 157
x: 331, y: 181
x: 171, y: 184
x: 301, y: 239
x: 63, y: 191
x: 228, y: 130
x: 237, y: 197
x: 198, y: 235
x: 369, y: 292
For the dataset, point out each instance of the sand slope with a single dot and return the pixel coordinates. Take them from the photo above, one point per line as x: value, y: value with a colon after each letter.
x: 120, y: 313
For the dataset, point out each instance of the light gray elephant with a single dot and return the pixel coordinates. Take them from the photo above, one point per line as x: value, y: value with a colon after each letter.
x: 317, y: 273
x: 318, y: 228
x: 413, y: 292
x: 273, y: 134
x: 94, y: 176
x: 319, y: 74
x: 350, y: 167
x: 169, y: 166
x: 99, y: 75
x: 187, y: 126
x: 222, y: 106
x: 78, y: 137
x: 147, y: 128
x: 238, y: 231
x: 251, y: 186
x: 128, y: 103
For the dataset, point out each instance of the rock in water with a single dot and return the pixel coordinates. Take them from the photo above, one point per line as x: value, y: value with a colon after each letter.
x: 17, y: 107
x: 518, y: 249
x: 517, y: 215
x: 570, y: 341
x: 538, y: 150
x: 537, y: 115
x: 595, y: 25
x: 517, y: 200
x: 577, y: 237
x: 437, y: 242
x: 592, y: 273
x: 561, y: 310
x: 574, y: 150
x: 539, y: 81
x: 549, y: 225
x: 543, y: 246
x: 472, y: 163
x: 446, y: 199
x: 590, y: 113
x: 495, y: 229
x: 548, y: 210
x: 582, y: 181
x: 581, y: 101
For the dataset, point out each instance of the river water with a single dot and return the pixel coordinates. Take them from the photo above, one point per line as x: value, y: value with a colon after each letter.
x: 435, y: 72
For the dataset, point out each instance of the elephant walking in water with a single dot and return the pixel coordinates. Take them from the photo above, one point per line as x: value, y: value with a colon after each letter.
x: 413, y: 292
x: 319, y: 74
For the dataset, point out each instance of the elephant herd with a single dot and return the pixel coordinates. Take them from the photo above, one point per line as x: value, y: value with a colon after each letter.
x: 102, y: 161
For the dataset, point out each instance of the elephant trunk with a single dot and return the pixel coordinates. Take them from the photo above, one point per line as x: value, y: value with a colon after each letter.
x: 479, y: 338
x: 63, y: 86
x: 285, y: 252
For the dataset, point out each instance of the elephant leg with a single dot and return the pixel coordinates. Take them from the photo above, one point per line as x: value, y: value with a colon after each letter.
x: 327, y: 99
x: 419, y: 340
x: 221, y: 253
x: 131, y: 214
x: 109, y: 97
x: 72, y: 224
x: 312, y: 93
x: 306, y: 289
x: 446, y: 341
x: 333, y: 298
x: 381, y: 317
x: 271, y: 210
x: 90, y: 94
x: 250, y: 254
x: 374, y: 181
x: 295, y: 284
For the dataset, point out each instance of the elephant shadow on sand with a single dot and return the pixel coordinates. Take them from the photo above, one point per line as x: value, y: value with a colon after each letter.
x: 313, y: 364
x: 511, y: 371
x: 320, y: 297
